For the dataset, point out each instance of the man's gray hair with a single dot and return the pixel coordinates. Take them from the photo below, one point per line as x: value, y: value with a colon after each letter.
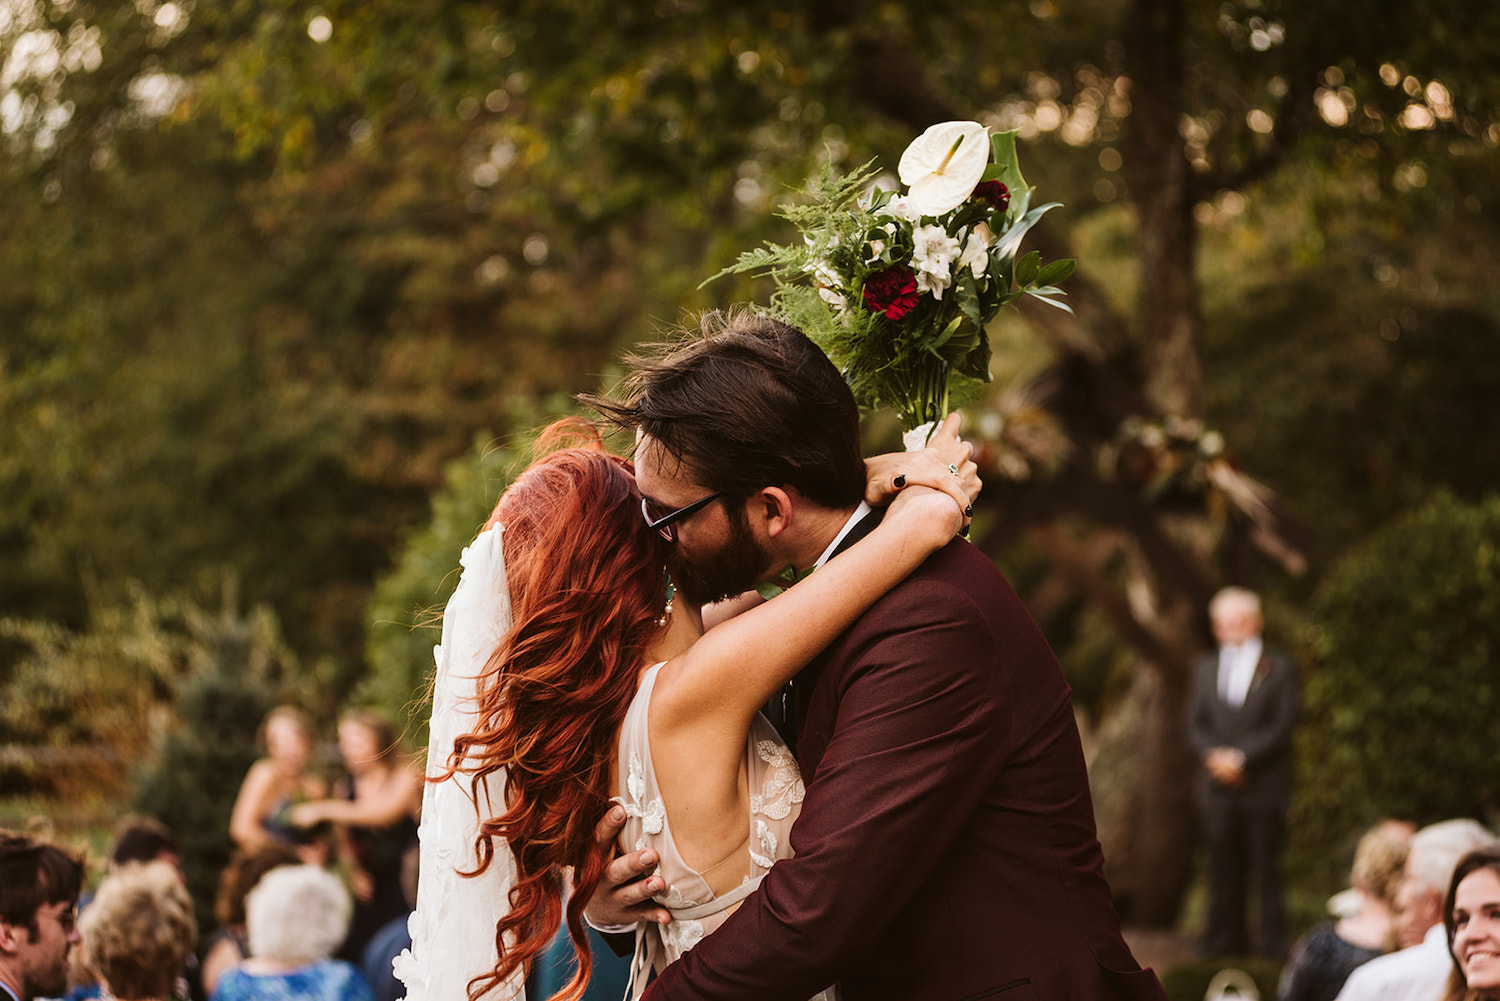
x: 1239, y: 598
x: 1436, y: 849
x: 297, y: 914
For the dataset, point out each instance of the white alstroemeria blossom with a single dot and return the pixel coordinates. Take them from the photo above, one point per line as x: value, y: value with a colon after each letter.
x: 900, y: 207
x: 933, y: 254
x: 942, y: 165
x: 976, y: 255
x: 828, y: 281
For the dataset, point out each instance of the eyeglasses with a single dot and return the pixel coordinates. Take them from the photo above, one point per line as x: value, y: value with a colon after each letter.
x: 667, y: 523
x: 66, y: 919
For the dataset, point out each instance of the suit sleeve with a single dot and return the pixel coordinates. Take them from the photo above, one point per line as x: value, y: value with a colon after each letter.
x: 1201, y: 732
x: 923, y: 719
x: 1276, y: 732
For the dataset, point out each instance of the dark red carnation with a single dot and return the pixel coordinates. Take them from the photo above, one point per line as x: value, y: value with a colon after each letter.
x: 994, y: 192
x: 892, y: 291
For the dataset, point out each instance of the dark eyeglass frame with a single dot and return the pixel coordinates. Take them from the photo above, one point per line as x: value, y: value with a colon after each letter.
x: 667, y: 523
x: 67, y: 919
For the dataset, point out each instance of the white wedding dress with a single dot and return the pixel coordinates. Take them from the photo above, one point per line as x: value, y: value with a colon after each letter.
x: 701, y: 901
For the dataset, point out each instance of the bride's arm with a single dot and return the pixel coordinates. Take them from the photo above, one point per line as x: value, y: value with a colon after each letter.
x: 725, y: 677
x: 886, y: 475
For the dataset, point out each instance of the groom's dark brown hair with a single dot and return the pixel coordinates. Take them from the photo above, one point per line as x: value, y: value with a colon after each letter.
x: 747, y: 402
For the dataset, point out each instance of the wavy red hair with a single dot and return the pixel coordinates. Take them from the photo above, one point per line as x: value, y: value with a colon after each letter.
x: 586, y: 593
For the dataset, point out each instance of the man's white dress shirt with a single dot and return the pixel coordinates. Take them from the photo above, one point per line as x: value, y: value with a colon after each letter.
x: 1419, y: 973
x: 1237, y: 670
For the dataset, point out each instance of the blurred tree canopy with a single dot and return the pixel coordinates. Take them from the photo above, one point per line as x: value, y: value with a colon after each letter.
x: 268, y: 268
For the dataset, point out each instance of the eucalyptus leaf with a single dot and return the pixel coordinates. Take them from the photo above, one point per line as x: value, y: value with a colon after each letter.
x: 1010, y: 240
x: 1056, y: 271
x: 1027, y: 269
x: 1045, y: 295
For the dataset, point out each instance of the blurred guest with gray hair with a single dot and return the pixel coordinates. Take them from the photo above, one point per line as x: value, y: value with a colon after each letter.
x: 1240, y: 721
x: 296, y: 917
x: 1419, y: 971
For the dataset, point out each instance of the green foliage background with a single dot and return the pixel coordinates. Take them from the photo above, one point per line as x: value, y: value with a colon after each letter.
x: 266, y: 333
x: 1402, y: 691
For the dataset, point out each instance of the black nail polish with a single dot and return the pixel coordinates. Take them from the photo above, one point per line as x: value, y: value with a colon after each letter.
x: 963, y: 533
x: 969, y: 511
x: 900, y: 481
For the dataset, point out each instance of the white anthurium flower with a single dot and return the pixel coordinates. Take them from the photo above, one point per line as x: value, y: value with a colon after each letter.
x: 933, y: 254
x: 942, y: 165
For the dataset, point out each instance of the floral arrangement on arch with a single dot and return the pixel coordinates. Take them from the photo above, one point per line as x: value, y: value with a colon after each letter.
x: 897, y: 288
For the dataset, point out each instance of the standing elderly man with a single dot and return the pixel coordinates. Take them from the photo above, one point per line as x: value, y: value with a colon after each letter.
x: 1240, y: 721
x: 38, y: 899
x: 1419, y: 971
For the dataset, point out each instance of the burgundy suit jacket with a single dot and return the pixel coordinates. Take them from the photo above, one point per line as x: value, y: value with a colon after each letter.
x: 946, y: 848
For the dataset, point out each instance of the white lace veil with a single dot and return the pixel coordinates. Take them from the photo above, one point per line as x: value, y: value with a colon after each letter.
x: 453, y: 926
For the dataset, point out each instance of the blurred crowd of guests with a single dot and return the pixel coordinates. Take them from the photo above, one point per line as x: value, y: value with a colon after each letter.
x: 313, y: 904
x: 1393, y: 935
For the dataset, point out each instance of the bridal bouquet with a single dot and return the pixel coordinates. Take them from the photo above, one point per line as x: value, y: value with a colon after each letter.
x: 897, y: 288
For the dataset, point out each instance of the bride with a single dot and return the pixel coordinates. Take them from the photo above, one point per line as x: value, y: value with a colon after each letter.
x: 570, y: 674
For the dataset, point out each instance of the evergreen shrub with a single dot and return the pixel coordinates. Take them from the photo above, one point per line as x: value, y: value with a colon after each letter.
x: 1402, y: 686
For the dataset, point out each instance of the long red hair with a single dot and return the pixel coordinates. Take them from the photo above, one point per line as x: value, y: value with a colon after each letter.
x: 586, y: 591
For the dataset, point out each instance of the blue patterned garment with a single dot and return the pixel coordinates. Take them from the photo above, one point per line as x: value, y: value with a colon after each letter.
x: 325, y: 980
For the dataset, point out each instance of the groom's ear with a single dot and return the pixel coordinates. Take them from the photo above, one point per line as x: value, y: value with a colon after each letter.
x: 775, y: 508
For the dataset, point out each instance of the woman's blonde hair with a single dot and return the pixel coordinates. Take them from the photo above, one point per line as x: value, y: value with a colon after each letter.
x: 139, y: 930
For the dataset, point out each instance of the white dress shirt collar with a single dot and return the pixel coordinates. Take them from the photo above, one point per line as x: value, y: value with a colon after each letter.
x: 854, y: 519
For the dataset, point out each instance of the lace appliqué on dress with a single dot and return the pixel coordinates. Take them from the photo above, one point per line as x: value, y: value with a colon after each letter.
x: 652, y: 814
x: 783, y: 787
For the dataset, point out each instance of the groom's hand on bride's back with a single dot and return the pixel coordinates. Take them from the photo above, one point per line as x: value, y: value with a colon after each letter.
x: 623, y: 896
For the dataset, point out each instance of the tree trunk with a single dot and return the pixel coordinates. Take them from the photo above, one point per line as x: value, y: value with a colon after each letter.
x: 1162, y: 190
x: 1150, y: 852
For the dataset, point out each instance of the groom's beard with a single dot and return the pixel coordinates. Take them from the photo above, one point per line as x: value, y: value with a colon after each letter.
x: 733, y: 569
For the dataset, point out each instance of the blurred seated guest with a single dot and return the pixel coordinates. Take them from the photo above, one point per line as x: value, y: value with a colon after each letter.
x: 135, y: 841
x: 231, y: 942
x: 38, y: 900
x: 143, y: 839
x: 1323, y: 958
x: 1420, y: 970
x: 296, y: 915
x: 1472, y: 921
x: 275, y: 784
x: 139, y: 931
x: 392, y: 938
x: 375, y: 814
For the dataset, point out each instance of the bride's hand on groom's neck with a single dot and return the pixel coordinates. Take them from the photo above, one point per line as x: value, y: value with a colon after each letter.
x: 946, y: 464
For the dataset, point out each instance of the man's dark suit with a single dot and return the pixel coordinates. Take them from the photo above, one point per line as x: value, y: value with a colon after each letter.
x: 1244, y: 826
x: 946, y: 848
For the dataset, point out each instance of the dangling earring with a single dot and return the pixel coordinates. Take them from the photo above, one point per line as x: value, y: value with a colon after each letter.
x: 670, y: 590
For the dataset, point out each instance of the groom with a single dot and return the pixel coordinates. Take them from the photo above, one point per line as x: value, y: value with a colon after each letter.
x: 946, y: 846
